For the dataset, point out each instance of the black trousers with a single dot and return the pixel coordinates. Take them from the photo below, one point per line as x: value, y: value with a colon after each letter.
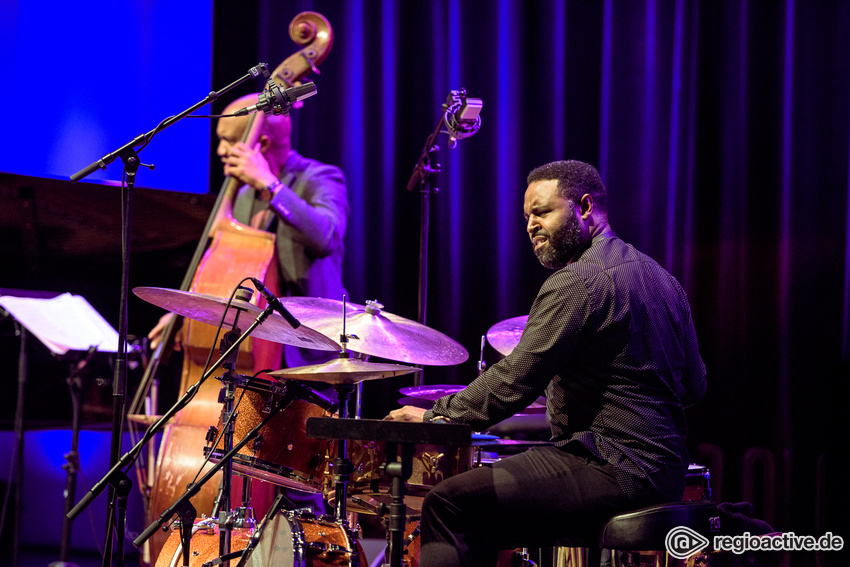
x: 526, y: 500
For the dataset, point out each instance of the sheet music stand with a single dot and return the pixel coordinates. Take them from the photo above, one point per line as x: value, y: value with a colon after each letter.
x: 28, y: 316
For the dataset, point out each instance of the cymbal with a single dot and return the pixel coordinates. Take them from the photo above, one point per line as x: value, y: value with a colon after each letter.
x: 208, y: 309
x: 378, y: 333
x: 504, y: 336
x: 432, y: 392
x: 344, y: 371
x: 436, y: 391
x: 494, y: 444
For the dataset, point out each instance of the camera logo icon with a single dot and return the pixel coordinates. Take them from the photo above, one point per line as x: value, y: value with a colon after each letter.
x: 682, y: 542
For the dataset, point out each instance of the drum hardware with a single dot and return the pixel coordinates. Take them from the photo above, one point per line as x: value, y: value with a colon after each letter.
x: 194, y: 487
x: 343, y: 373
x: 482, y: 366
x: 400, y: 438
x: 122, y: 484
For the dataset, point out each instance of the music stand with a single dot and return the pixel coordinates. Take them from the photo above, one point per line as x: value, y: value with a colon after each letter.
x: 73, y: 331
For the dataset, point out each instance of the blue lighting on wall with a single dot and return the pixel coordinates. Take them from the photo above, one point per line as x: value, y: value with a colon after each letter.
x: 80, y: 82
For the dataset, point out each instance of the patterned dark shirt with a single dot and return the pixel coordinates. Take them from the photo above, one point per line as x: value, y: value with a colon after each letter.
x: 611, y: 342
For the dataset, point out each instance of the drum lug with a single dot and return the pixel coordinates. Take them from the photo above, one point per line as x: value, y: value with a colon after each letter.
x: 432, y: 462
x: 212, y: 433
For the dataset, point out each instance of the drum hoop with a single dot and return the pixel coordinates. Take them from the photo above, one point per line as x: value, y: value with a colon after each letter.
x: 245, y: 465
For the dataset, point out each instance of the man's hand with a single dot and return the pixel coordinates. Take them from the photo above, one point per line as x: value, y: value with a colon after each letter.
x: 155, y: 334
x: 406, y: 413
x: 248, y: 165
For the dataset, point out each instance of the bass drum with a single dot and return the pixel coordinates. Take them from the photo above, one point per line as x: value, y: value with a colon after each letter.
x: 301, y: 539
x: 290, y: 539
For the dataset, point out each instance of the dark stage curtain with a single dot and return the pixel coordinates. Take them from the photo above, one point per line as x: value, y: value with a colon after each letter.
x: 722, y: 132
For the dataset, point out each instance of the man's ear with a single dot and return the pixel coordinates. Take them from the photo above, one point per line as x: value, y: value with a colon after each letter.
x: 265, y: 143
x: 586, y: 206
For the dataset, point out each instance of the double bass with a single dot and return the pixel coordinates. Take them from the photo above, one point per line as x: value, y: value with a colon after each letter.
x: 228, y: 251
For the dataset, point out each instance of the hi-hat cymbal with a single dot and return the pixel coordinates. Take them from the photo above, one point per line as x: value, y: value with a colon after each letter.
x: 344, y: 371
x: 504, y: 336
x: 378, y: 333
x: 209, y: 309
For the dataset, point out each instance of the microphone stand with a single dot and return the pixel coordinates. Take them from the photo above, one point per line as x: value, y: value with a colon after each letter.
x: 120, y: 484
x: 128, y: 155
x: 425, y: 175
x: 183, y: 507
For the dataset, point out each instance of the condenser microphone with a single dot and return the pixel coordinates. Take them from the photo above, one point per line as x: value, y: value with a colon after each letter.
x: 462, y: 115
x: 276, y: 100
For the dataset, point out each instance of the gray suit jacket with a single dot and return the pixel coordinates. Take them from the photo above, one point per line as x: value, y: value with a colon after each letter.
x: 309, y: 222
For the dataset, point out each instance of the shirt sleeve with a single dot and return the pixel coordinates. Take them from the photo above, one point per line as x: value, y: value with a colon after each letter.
x: 317, y: 207
x: 548, y: 342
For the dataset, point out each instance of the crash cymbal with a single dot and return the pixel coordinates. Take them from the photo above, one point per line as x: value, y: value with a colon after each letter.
x: 378, y: 333
x: 344, y: 371
x: 504, y: 336
x: 209, y: 309
x: 432, y: 392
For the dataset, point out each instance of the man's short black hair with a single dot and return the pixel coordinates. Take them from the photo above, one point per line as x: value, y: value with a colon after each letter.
x: 575, y: 178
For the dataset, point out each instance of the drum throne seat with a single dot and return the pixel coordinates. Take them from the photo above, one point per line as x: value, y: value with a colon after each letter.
x: 646, y: 529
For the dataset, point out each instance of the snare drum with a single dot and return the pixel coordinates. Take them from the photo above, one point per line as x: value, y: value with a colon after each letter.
x: 281, y: 453
x: 290, y: 539
x: 368, y: 488
x: 697, y: 486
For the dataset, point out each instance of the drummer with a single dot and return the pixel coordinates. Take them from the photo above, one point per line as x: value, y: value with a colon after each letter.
x: 302, y: 201
x: 611, y: 342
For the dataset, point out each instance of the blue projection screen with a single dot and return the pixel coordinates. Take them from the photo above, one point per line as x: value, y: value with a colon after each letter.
x: 81, y: 79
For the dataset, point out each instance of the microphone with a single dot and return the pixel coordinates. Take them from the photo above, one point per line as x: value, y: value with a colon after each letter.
x: 276, y: 100
x: 275, y: 303
x: 310, y: 395
x: 462, y: 116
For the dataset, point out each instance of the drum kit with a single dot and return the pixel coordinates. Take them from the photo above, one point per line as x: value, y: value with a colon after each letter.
x: 261, y: 432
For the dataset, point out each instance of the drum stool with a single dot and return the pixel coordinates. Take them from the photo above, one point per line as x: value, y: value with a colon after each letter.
x: 646, y: 530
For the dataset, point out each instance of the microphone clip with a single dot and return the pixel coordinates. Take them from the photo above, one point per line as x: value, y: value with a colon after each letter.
x: 462, y: 116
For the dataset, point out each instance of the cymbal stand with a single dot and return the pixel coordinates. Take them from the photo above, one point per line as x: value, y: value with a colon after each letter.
x: 342, y: 466
x: 118, y: 482
x: 227, y: 396
x: 194, y: 488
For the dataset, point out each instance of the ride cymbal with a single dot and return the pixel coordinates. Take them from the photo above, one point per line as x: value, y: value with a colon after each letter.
x: 209, y: 309
x: 504, y: 336
x: 377, y: 333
